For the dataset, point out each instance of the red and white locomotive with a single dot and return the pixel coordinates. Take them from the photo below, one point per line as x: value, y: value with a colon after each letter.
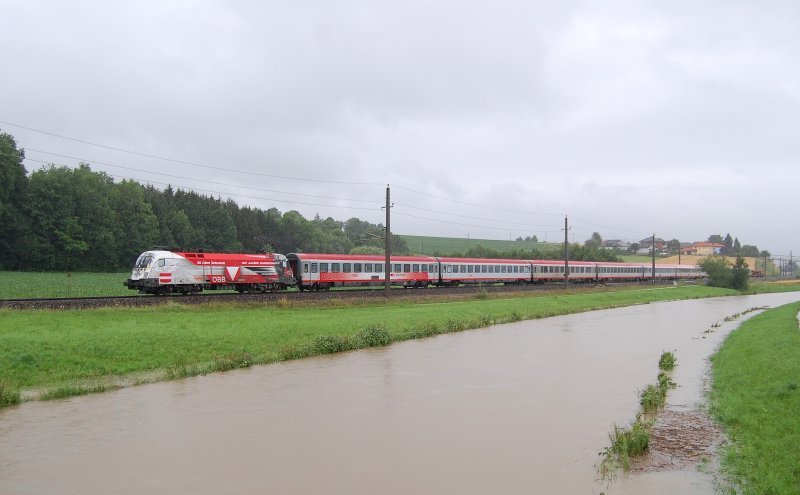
x: 164, y: 272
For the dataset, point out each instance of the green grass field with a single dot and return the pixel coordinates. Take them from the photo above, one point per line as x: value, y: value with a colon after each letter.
x: 24, y: 285
x: 447, y: 245
x: 756, y: 397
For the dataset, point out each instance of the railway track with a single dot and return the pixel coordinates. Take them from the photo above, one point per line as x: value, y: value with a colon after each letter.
x: 272, y: 297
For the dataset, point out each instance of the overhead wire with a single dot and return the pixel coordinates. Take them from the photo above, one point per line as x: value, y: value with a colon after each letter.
x: 505, y: 229
x: 465, y: 203
x: 525, y: 224
x: 300, y: 179
x: 185, y: 162
x: 90, y: 162
x: 377, y: 208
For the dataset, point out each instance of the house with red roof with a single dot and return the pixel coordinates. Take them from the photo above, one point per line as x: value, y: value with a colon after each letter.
x: 704, y: 249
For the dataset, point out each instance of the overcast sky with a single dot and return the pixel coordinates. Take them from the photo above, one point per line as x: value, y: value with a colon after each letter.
x: 489, y: 119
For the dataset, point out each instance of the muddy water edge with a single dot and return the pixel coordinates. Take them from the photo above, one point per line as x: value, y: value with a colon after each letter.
x: 518, y: 408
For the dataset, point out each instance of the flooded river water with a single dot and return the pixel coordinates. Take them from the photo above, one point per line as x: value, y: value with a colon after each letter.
x: 518, y: 408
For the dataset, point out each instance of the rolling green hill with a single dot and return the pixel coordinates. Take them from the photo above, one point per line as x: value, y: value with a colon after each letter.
x: 447, y: 245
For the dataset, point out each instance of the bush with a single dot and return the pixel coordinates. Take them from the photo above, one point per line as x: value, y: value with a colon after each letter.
x: 722, y: 274
x: 375, y: 335
x: 329, y: 344
x: 8, y: 396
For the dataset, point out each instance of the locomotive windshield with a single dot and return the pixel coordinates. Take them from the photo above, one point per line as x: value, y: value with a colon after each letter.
x: 144, y: 260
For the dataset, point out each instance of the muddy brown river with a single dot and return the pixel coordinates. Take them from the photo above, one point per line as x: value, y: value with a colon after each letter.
x: 518, y: 408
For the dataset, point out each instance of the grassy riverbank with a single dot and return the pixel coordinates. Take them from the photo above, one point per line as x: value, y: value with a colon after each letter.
x: 62, y: 353
x: 756, y: 396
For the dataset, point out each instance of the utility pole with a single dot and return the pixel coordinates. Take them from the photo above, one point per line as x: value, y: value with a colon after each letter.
x: 653, y: 251
x: 388, y: 247
x: 566, y: 253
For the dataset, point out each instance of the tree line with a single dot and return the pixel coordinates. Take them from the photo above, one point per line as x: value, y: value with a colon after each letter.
x: 59, y: 218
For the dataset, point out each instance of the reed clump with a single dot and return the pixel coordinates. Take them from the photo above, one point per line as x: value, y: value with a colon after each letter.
x: 628, y: 443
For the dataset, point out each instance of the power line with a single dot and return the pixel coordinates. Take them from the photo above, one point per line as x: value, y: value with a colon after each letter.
x: 523, y: 224
x: 194, y: 189
x: 460, y: 223
x: 84, y: 160
x: 474, y: 204
x: 274, y: 176
x: 184, y: 162
x: 97, y: 162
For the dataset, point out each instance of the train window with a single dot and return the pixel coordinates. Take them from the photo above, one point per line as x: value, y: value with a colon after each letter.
x: 314, y: 267
x: 463, y: 268
x: 484, y: 269
x: 367, y: 267
x: 398, y: 268
x: 161, y: 262
x: 415, y: 268
x: 430, y: 268
x: 497, y: 268
x: 305, y: 267
x: 346, y: 267
x: 357, y: 267
x: 323, y: 267
x: 336, y: 267
x: 407, y: 267
x: 378, y: 267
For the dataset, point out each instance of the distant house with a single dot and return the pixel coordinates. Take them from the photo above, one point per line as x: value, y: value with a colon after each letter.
x: 614, y: 244
x: 704, y: 249
x: 646, y: 245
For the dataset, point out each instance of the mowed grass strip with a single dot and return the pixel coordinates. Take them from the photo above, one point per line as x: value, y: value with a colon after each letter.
x: 30, y: 285
x: 756, y: 397
x: 43, y: 349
